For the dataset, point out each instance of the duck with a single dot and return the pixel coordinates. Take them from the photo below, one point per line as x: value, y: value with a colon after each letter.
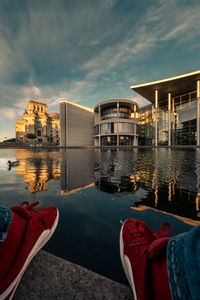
x: 13, y: 163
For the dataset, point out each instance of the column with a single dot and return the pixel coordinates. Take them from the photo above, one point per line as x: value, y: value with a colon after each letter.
x: 117, y: 124
x: 169, y: 119
x: 198, y: 111
x: 173, y: 121
x: 156, y: 118
x: 99, y: 125
x: 135, y: 141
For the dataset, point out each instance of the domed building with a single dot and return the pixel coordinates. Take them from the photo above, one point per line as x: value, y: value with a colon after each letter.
x: 37, y: 126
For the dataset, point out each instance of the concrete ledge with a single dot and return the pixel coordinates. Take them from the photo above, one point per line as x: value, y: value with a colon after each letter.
x: 50, y: 278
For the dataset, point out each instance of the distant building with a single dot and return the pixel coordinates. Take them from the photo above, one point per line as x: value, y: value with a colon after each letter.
x: 36, y: 121
x: 173, y: 119
x: 76, y: 123
x: 110, y: 123
x: 115, y: 123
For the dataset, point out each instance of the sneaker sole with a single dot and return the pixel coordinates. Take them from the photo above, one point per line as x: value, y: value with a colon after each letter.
x: 41, y: 241
x: 126, y: 264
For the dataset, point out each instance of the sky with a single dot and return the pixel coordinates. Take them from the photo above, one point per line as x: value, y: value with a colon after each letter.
x: 88, y: 51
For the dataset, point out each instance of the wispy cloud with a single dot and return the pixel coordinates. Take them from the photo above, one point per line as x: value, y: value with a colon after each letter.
x: 88, y: 51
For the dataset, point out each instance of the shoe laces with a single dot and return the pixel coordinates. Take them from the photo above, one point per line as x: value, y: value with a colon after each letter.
x: 30, y: 207
x: 143, y: 236
x: 27, y: 211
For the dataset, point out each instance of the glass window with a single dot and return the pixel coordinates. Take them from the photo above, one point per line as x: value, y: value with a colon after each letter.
x: 96, y: 129
x: 109, y: 113
x: 125, y: 140
x: 124, y: 112
x: 112, y: 127
x: 124, y: 127
x: 105, y: 128
x: 109, y: 140
x: 184, y: 120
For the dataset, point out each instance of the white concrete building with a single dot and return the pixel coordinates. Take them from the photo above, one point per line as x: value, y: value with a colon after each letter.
x: 76, y: 123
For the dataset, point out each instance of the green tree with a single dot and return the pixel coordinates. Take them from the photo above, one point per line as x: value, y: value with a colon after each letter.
x: 31, y: 136
x: 10, y: 140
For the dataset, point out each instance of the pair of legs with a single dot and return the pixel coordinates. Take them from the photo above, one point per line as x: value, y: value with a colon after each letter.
x: 156, y: 266
x: 159, y: 267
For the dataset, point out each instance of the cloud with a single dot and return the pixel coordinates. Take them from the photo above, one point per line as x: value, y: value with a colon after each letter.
x: 9, y: 113
x: 87, y: 51
x: 109, y: 3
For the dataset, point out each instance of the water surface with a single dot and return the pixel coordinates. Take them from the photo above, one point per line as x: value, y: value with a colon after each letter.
x: 95, y: 189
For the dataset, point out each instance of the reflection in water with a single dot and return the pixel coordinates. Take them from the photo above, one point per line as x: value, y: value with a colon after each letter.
x: 171, y: 178
x: 166, y: 175
x: 94, y: 189
x: 76, y: 170
x: 114, y: 174
x: 38, y: 169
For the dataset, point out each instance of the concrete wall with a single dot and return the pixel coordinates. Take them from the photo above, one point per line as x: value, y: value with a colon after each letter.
x: 76, y: 125
x: 63, y: 124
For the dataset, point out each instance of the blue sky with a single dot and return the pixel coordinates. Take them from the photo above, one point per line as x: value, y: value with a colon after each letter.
x: 88, y: 51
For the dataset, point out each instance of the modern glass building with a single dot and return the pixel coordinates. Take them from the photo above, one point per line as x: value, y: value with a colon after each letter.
x: 173, y: 117
x: 115, y: 123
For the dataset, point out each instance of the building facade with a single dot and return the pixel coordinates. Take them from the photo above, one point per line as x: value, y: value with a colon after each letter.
x: 173, y: 118
x: 76, y: 123
x: 115, y: 123
x: 37, y: 126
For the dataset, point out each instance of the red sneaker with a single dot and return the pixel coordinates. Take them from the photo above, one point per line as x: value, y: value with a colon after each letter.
x: 143, y: 256
x: 29, y: 231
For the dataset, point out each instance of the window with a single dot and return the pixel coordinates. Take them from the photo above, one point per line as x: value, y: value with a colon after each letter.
x: 107, y: 128
x: 96, y: 130
x: 112, y: 127
x: 41, y: 108
x: 124, y: 127
x: 39, y: 133
x: 38, y: 124
x: 109, y: 113
x: 39, y: 140
x: 109, y: 140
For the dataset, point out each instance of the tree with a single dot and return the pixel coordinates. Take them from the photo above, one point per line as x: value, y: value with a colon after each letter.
x: 10, y: 140
x: 31, y: 136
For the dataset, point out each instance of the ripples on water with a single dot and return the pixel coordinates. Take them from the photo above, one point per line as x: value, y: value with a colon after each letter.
x: 95, y: 189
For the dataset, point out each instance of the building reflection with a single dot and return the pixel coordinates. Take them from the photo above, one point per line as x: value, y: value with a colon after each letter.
x: 38, y: 170
x: 158, y: 173
x: 76, y: 170
x: 166, y: 191
x: 113, y: 171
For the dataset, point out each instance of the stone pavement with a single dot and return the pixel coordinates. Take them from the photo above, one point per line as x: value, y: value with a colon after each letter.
x: 51, y: 278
